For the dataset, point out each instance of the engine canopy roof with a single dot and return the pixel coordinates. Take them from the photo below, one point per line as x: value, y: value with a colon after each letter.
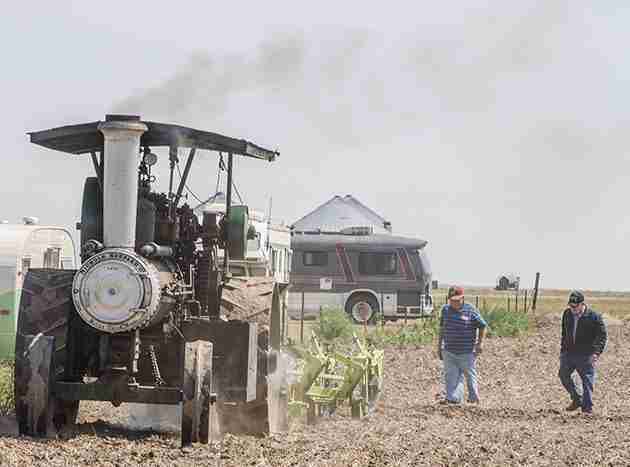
x: 85, y: 138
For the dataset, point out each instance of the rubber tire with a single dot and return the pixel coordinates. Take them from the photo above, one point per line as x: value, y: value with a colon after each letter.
x: 363, y: 297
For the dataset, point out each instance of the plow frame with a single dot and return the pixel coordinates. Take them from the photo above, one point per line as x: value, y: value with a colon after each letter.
x: 326, y: 381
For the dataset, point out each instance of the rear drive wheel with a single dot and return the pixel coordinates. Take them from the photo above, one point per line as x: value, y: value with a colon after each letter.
x: 362, y: 307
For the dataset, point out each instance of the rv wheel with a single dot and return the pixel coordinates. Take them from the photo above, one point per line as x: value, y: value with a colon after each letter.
x: 362, y: 307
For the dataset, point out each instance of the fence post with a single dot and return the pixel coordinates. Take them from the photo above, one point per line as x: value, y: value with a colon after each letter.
x: 516, y: 301
x: 477, y: 302
x: 525, y: 303
x: 535, y: 297
x: 508, y: 301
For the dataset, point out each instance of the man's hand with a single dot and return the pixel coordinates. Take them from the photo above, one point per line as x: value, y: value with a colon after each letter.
x: 478, y: 348
x: 594, y: 359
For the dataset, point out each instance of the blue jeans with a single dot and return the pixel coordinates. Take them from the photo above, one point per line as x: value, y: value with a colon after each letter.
x: 581, y: 363
x: 456, y: 366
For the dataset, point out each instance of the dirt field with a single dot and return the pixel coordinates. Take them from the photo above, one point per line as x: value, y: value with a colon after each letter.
x: 521, y: 420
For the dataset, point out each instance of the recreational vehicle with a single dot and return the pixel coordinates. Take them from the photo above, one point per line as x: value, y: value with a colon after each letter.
x: 365, y: 274
x: 24, y: 246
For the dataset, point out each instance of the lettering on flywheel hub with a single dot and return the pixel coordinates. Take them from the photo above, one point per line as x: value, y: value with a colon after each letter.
x: 116, y: 291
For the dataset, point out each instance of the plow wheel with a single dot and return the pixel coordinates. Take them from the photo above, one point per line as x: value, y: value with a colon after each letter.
x: 40, y: 352
x: 197, y: 387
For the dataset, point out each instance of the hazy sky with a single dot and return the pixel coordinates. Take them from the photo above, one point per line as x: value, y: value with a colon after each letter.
x: 493, y: 129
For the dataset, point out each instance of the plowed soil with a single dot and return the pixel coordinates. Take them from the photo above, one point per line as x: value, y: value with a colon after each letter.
x: 521, y: 420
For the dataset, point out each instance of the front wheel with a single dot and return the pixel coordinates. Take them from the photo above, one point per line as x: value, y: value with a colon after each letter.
x: 362, y: 308
x: 197, y: 387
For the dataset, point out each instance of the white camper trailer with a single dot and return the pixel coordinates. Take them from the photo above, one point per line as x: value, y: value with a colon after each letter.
x: 268, y: 253
x: 24, y: 246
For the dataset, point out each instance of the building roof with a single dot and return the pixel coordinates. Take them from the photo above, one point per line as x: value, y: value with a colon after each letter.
x: 315, y: 241
x: 342, y: 212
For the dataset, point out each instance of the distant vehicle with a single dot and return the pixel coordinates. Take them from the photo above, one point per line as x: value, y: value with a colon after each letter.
x: 508, y: 282
x: 25, y: 246
x: 365, y: 274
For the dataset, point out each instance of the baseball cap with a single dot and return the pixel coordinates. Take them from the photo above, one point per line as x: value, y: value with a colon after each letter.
x: 455, y: 293
x: 576, y: 297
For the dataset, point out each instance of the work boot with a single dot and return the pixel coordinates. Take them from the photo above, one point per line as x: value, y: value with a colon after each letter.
x: 448, y: 402
x: 574, y: 406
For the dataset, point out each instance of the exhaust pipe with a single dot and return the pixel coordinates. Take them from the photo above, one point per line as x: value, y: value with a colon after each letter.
x: 120, y: 185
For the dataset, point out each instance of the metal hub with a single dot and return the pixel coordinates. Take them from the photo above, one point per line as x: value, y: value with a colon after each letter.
x: 362, y: 311
x: 116, y: 291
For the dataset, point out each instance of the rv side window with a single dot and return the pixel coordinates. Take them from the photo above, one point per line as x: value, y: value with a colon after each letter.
x: 378, y: 263
x: 315, y: 258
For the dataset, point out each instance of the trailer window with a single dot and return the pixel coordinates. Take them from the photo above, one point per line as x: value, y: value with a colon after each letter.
x: 315, y: 258
x: 378, y: 263
x: 52, y: 258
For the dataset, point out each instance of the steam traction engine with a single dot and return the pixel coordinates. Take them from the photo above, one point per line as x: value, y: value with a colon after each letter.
x: 139, y: 321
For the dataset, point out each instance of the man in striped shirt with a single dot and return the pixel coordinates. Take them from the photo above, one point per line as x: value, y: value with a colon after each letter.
x: 460, y: 341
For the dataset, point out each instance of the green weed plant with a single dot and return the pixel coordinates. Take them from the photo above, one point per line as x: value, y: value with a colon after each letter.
x: 334, y: 325
x: 502, y: 323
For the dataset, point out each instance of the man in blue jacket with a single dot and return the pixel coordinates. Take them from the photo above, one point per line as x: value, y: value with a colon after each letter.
x: 460, y: 341
x: 583, y: 341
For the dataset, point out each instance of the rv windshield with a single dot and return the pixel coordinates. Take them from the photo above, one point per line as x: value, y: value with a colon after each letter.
x: 425, y: 265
